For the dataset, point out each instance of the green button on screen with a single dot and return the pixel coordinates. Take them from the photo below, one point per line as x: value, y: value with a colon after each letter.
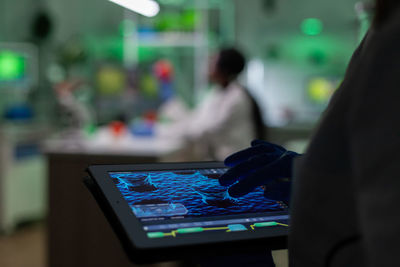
x: 155, y: 235
x: 190, y: 230
x: 265, y: 224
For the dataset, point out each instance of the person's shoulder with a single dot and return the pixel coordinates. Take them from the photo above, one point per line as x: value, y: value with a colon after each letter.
x: 389, y: 32
x: 394, y: 20
x: 235, y: 88
x: 236, y: 91
x: 237, y: 96
x: 382, y: 43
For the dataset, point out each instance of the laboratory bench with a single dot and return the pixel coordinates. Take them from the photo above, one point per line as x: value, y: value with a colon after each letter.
x: 78, y: 233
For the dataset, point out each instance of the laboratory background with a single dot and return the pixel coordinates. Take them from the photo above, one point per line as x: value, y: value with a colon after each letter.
x: 105, y: 82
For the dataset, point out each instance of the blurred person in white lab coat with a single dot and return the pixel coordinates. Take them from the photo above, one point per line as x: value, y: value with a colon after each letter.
x: 225, y: 120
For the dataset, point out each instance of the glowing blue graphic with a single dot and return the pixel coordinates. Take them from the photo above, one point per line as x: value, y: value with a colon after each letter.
x: 164, y: 194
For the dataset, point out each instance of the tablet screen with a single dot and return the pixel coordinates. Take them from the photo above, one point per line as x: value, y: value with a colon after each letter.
x: 170, y: 203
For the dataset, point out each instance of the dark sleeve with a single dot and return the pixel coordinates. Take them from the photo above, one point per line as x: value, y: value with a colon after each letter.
x: 374, y: 140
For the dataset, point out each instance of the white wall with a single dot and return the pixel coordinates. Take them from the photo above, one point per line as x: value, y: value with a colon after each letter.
x: 15, y: 18
x: 74, y: 17
x: 70, y: 17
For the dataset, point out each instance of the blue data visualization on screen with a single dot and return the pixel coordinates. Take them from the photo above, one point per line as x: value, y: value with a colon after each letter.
x: 182, y: 201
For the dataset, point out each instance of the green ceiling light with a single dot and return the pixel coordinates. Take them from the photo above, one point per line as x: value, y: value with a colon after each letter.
x: 11, y: 66
x: 312, y: 26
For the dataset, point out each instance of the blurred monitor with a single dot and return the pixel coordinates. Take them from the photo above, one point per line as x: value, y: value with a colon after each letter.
x: 12, y: 66
x: 18, y: 66
x: 18, y: 76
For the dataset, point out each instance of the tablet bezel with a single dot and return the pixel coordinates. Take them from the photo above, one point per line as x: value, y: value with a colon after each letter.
x: 134, y: 239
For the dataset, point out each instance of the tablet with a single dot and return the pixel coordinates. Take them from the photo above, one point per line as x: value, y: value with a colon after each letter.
x: 175, y: 210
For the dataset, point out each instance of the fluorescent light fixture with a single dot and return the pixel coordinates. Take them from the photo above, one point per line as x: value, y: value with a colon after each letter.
x: 148, y: 8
